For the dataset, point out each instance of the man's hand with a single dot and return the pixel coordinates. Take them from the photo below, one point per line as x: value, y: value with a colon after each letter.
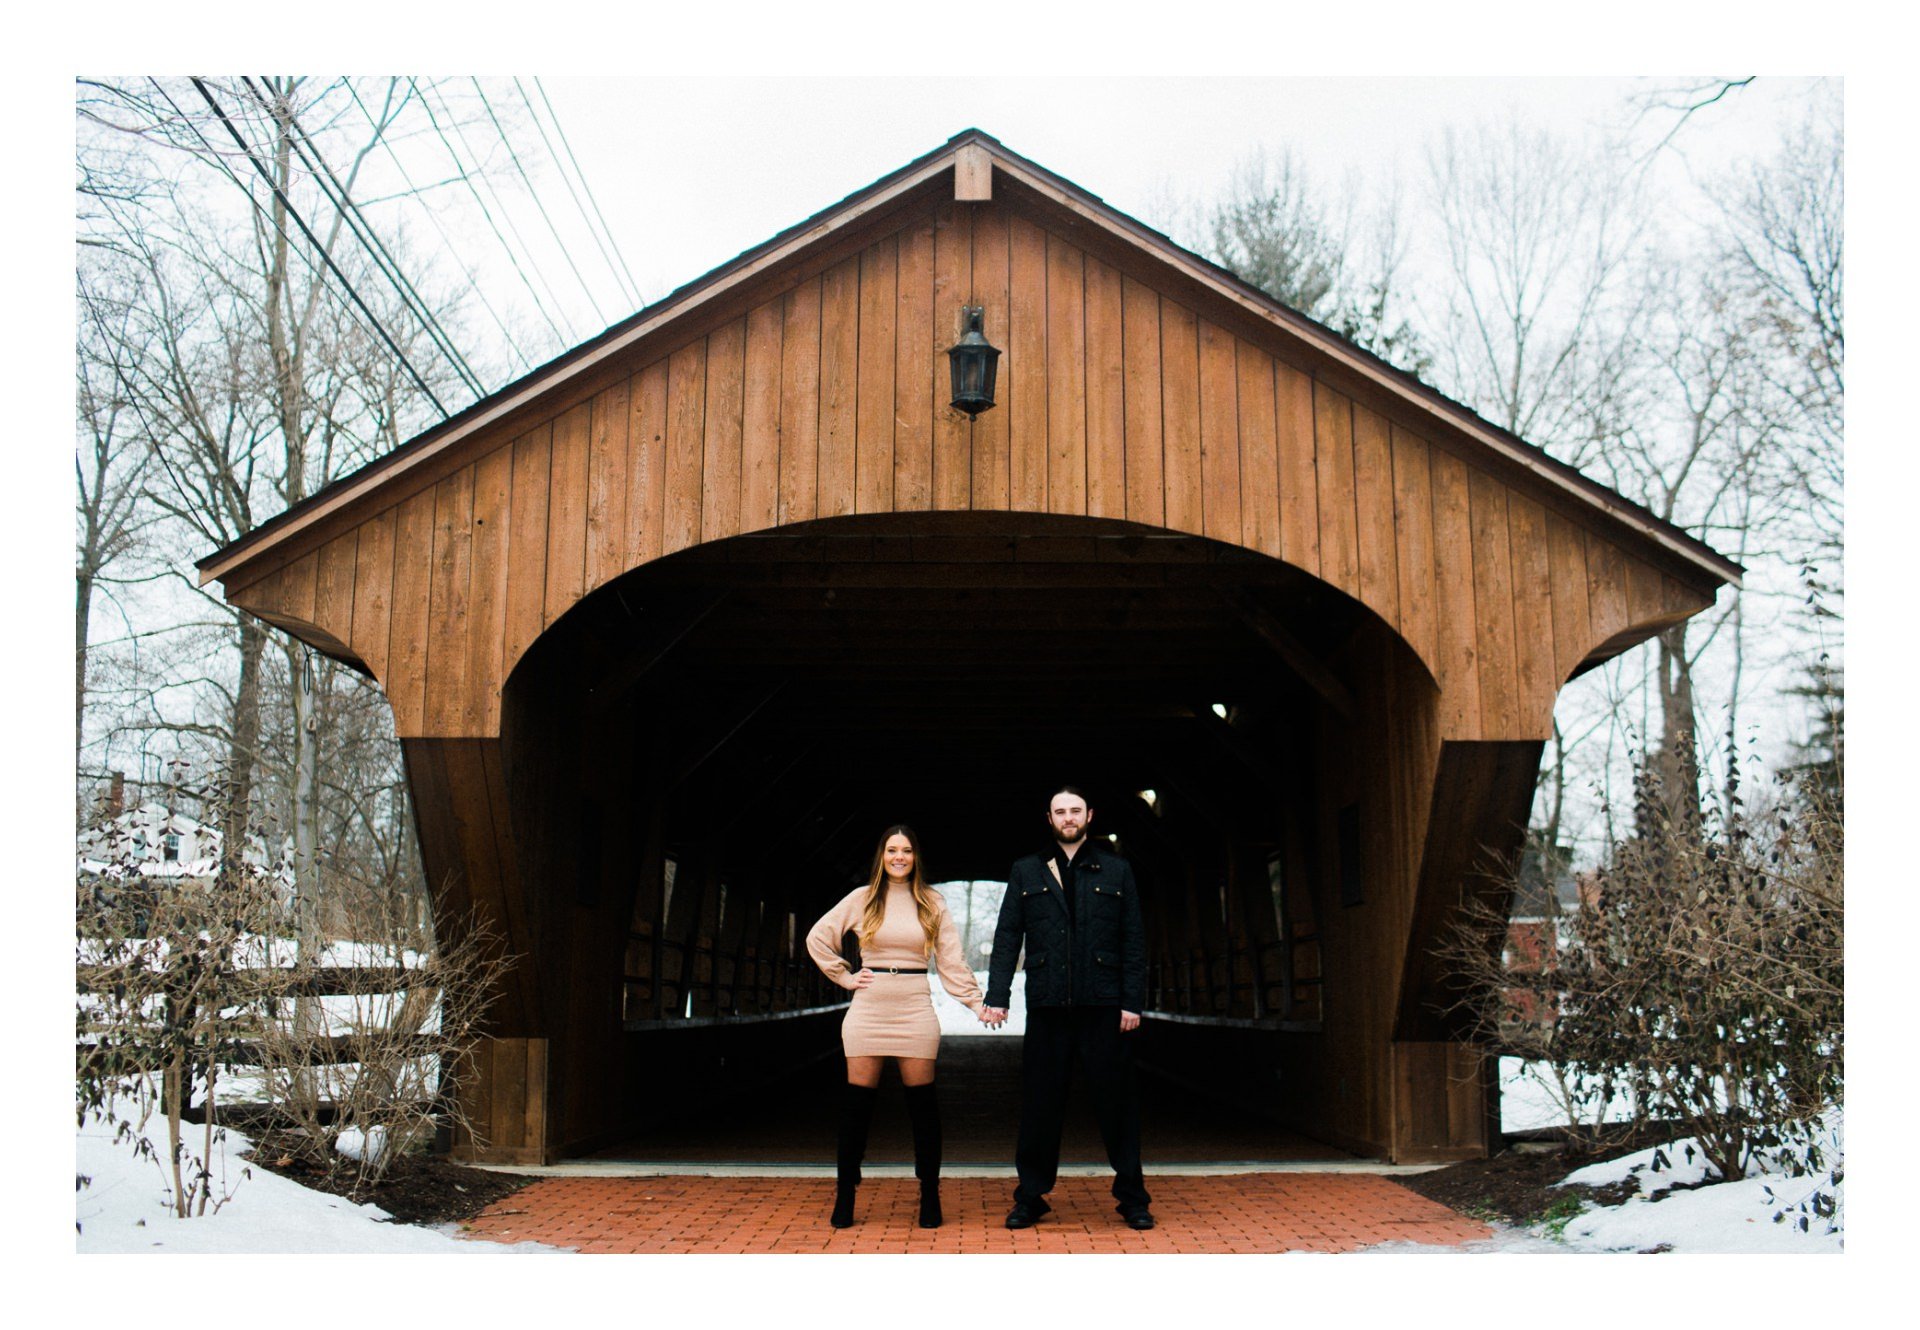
x: 864, y: 979
x: 1129, y: 1021
x: 993, y: 1017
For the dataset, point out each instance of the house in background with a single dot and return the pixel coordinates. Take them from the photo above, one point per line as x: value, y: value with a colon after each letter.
x: 1547, y: 892
x: 155, y: 845
x: 155, y: 842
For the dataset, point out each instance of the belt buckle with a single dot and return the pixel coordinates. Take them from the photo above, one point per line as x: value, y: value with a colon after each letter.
x: 892, y: 969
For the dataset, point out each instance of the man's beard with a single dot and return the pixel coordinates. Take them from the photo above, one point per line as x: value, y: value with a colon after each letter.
x: 1079, y: 834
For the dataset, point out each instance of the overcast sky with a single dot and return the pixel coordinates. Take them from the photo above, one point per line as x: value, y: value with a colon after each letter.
x: 691, y: 171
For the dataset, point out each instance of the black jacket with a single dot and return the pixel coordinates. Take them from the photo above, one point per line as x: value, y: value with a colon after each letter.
x: 1098, y: 958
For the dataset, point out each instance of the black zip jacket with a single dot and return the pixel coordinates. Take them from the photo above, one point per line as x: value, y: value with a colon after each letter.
x: 1095, y: 958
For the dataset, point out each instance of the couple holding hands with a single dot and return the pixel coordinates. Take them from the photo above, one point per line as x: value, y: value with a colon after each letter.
x: 1076, y: 910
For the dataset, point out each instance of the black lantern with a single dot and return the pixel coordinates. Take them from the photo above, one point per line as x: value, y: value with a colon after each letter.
x: 974, y: 361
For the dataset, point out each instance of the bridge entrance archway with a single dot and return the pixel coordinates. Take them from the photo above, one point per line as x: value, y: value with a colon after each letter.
x: 704, y: 750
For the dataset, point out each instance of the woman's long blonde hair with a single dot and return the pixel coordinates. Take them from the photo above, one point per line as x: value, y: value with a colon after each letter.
x: 926, y: 901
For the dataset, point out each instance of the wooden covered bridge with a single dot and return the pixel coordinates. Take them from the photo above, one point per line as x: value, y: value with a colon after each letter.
x: 675, y: 624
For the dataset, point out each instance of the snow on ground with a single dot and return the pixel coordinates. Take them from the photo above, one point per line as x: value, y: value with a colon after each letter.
x: 1680, y: 1206
x: 1529, y: 1102
x: 125, y: 1208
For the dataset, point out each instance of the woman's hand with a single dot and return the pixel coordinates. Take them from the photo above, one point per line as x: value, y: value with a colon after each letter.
x: 863, y: 979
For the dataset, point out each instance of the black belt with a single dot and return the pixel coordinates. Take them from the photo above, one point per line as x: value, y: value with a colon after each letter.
x: 892, y: 969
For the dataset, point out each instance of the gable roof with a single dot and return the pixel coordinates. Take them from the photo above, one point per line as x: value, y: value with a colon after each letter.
x: 974, y: 151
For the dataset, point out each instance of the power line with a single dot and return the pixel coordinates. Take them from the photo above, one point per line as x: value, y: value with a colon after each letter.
x: 415, y: 193
x: 533, y: 193
x: 567, y: 337
x: 632, y: 287
x: 214, y: 156
x: 314, y: 240
x: 633, y: 283
x: 369, y: 240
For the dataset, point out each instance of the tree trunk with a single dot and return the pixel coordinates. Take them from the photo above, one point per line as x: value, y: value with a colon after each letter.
x: 82, y: 613
x: 306, y: 865
x: 244, y: 743
x: 1676, y: 765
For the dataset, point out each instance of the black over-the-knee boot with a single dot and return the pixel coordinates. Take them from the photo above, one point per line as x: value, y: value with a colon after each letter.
x: 856, y: 1116
x: 923, y: 1111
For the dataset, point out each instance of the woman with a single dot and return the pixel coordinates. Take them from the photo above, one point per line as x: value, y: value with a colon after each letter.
x: 901, y: 922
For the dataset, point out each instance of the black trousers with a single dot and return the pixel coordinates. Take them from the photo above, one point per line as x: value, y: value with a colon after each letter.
x: 1057, y: 1038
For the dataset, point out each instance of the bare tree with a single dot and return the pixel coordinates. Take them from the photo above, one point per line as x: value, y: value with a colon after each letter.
x: 1536, y: 237
x: 1271, y: 228
x: 1785, y: 249
x: 275, y: 345
x: 109, y: 466
x: 1277, y: 228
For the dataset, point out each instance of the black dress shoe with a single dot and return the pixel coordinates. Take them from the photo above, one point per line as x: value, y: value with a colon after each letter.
x: 1140, y: 1219
x: 1025, y: 1214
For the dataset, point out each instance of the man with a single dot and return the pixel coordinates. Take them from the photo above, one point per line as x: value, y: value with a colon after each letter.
x: 1077, y: 911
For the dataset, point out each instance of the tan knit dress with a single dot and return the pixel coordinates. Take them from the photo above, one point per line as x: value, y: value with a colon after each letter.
x: 893, y: 1016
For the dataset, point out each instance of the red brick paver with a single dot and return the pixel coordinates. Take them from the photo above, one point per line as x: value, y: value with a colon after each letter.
x: 1262, y: 1212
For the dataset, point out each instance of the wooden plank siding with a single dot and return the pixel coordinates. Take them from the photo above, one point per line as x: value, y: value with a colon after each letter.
x: 1377, y: 543
x: 448, y: 606
x: 607, y: 461
x: 487, y: 596
x: 333, y: 592
x: 527, y: 538
x: 1118, y: 398
x: 913, y: 387
x: 1023, y: 364
x: 760, y: 420
x: 1066, y: 378
x: 952, y: 288
x: 874, y: 420
x: 1180, y: 417
x: 1140, y: 378
x: 1219, y: 435
x: 724, y: 403
x: 800, y: 384
x: 1259, y: 447
x: 567, y: 511
x: 992, y: 431
x: 839, y: 381
x: 1106, y: 393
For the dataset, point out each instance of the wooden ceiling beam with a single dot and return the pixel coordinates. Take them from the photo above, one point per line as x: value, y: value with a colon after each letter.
x: 1294, y: 653
x: 743, y: 719
x: 617, y: 682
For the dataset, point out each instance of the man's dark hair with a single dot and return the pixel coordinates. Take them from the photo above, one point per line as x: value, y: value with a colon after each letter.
x: 1074, y: 790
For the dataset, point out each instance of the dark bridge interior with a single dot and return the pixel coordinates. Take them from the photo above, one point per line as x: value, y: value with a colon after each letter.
x: 703, y: 753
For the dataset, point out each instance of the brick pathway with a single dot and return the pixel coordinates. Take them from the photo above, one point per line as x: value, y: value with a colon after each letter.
x: 1259, y: 1212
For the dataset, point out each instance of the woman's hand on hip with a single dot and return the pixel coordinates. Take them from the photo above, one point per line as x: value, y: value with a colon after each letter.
x: 863, y: 979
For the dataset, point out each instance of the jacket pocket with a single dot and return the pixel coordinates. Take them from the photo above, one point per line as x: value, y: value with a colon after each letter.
x: 1037, y: 961
x: 1106, y: 958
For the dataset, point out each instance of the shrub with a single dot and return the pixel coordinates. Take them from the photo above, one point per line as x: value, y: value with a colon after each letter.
x: 163, y: 1005
x: 1700, y: 979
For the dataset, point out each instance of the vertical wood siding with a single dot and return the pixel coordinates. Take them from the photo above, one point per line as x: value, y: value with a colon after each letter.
x: 829, y: 397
